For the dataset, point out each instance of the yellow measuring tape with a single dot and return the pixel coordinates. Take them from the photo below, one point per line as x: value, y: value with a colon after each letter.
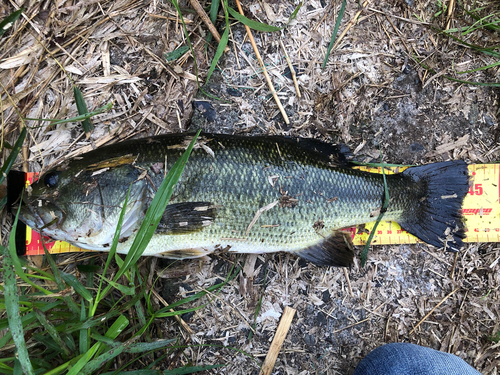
x: 481, y: 210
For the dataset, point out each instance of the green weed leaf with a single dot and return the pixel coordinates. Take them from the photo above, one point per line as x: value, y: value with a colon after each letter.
x: 253, y: 24
x: 174, y: 55
x: 8, y: 21
x: 82, y: 110
x: 335, y: 31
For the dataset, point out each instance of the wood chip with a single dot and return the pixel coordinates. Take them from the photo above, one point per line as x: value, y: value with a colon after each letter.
x: 460, y: 142
x: 279, y: 337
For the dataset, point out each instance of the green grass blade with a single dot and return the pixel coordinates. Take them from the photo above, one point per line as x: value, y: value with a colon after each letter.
x: 126, y: 290
x: 84, y: 334
x: 100, y: 361
x: 13, y: 155
x: 77, y: 286
x: 489, y: 84
x: 176, y: 54
x: 12, y: 307
x: 364, y: 254
x: 43, y: 275
x: 4, y: 369
x: 63, y: 367
x: 140, y: 313
x: 96, y: 322
x: 55, y: 271
x: 220, y: 50
x: 70, y: 342
x: 479, y: 24
x: 8, y: 21
x: 98, y: 111
x: 28, y: 318
x: 223, y: 40
x: 15, y: 259
x: 83, y: 360
x: 141, y: 347
x: 155, y: 211
x: 18, y: 370
x: 477, y: 18
x: 489, y: 51
x: 112, y: 252
x: 125, y: 347
x: 253, y: 24
x: 57, y: 276
x: 481, y: 68
x: 335, y: 31
x: 295, y: 12
x: 50, y: 329
x: 214, y: 9
x: 118, y: 326
x: 188, y: 39
x: 495, y: 337
x: 81, y: 106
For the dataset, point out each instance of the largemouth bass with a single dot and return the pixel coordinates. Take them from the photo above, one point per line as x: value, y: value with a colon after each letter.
x: 241, y: 194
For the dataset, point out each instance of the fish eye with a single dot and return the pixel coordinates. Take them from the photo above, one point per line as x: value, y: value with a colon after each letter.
x: 51, y: 179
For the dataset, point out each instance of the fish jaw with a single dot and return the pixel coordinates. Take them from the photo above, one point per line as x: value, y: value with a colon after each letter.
x: 42, y: 215
x: 49, y: 220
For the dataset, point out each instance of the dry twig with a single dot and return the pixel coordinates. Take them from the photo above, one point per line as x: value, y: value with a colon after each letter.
x: 433, y: 309
x: 292, y: 69
x: 451, y: 8
x: 204, y: 17
x: 263, y: 67
x: 177, y: 317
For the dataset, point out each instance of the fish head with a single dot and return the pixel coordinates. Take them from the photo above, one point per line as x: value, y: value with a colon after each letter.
x: 62, y: 207
x: 83, y: 206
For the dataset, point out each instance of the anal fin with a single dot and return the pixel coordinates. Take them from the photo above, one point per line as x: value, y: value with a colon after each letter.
x: 334, y: 250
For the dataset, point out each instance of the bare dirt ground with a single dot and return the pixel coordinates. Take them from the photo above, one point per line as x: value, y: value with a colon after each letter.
x: 372, y: 96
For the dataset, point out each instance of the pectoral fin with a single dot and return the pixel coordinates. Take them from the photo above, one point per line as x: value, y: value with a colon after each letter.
x: 335, y: 250
x: 186, y: 217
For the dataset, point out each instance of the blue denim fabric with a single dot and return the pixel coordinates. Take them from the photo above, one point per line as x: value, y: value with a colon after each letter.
x: 411, y: 359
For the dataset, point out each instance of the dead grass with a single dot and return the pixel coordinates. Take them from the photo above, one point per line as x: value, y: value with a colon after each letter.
x: 372, y: 92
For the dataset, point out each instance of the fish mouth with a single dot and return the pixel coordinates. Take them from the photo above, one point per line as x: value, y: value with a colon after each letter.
x: 41, y: 214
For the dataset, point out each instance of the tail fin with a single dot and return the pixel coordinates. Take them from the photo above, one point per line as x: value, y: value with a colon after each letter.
x: 437, y: 217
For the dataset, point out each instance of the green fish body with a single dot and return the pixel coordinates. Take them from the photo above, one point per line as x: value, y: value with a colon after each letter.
x: 241, y: 194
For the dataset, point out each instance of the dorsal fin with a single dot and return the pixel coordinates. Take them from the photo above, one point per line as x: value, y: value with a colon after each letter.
x: 328, y: 153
